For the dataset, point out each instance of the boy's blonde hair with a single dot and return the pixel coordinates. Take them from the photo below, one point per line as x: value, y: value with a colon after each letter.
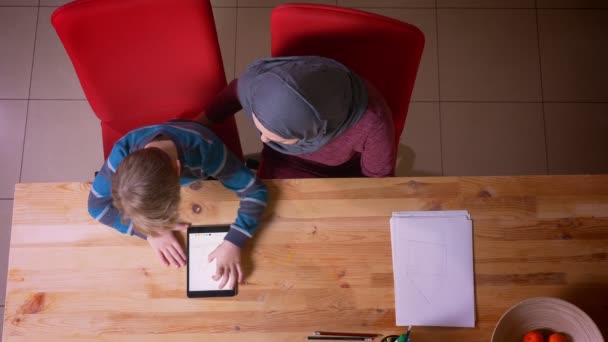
x: 146, y: 190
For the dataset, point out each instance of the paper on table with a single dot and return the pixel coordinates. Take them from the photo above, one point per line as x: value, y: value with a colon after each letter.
x: 433, y: 268
x: 433, y: 213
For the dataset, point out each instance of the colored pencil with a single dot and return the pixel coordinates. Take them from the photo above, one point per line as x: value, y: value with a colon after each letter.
x: 338, y: 338
x: 330, y: 333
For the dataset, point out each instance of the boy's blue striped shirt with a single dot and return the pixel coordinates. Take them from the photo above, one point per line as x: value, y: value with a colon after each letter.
x: 202, y: 154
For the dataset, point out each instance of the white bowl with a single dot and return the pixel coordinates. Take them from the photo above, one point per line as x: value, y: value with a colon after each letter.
x: 544, y: 313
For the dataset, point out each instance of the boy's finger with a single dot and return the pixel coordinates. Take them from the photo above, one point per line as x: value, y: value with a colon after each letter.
x: 176, y: 256
x: 238, y: 268
x: 180, y: 250
x: 170, y: 257
x: 225, y: 278
x: 161, y: 257
x: 219, y: 270
x: 232, y: 277
x: 211, y: 256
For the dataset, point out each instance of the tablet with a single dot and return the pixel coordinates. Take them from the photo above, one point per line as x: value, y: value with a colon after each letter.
x: 203, y: 240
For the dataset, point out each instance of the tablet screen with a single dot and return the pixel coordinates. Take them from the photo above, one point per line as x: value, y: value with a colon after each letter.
x: 200, y: 271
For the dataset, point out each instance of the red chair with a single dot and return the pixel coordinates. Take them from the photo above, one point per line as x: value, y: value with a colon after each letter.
x: 382, y: 50
x: 142, y: 62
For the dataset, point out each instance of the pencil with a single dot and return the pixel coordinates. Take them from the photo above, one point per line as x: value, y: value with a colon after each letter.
x: 330, y: 333
x: 338, y: 338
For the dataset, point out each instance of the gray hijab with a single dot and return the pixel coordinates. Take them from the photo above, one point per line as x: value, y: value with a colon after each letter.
x: 312, y: 99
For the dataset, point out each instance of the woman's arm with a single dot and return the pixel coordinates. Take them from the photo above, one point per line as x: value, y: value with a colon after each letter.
x: 379, y: 152
x: 225, y: 105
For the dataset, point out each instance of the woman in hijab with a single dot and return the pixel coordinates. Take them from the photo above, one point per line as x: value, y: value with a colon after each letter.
x: 316, y: 117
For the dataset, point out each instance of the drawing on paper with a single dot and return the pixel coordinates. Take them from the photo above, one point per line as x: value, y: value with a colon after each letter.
x: 426, y: 267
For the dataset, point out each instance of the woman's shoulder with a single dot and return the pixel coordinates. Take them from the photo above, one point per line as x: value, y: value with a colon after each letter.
x: 378, y: 113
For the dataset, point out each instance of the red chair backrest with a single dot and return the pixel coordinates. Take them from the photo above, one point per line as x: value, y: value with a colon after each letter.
x: 382, y: 50
x: 142, y: 62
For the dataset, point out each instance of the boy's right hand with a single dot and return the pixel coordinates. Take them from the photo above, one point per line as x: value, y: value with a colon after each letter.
x: 168, y: 249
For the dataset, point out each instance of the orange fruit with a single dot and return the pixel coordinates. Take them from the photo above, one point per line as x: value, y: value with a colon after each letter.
x: 533, y: 336
x: 557, y: 338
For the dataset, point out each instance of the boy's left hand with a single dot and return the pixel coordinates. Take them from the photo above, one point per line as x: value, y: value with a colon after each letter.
x: 228, y: 264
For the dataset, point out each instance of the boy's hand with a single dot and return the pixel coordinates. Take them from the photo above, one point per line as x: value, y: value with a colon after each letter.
x: 228, y: 264
x: 168, y: 249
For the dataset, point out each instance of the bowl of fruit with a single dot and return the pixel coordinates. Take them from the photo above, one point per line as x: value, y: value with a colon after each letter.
x: 546, y: 319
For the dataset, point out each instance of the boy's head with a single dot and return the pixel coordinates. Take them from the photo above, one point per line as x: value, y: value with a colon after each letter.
x: 146, y: 190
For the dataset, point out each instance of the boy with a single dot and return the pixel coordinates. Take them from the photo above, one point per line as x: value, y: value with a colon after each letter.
x: 137, y: 190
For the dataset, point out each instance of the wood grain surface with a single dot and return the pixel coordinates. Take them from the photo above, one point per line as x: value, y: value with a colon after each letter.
x: 321, y: 260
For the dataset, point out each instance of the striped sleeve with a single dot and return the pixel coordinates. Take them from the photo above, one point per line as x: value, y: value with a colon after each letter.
x: 234, y: 175
x: 100, y: 198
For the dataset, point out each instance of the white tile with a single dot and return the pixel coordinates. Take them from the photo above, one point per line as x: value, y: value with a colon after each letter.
x: 572, y: 4
x: 6, y: 218
x: 387, y: 3
x: 53, y: 76
x: 249, y: 135
x: 420, y: 144
x: 18, y: 2
x: 273, y: 3
x: 488, y: 55
x: 574, y: 51
x: 252, y: 36
x: 17, y: 30
x: 62, y: 142
x: 426, y: 87
x: 225, y: 24
x: 486, y: 3
x: 577, y: 142
x: 12, y: 131
x: 487, y: 139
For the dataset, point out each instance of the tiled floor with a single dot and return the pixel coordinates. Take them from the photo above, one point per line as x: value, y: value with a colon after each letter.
x: 505, y: 87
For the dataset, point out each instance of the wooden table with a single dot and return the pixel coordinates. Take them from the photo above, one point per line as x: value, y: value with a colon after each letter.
x: 321, y: 260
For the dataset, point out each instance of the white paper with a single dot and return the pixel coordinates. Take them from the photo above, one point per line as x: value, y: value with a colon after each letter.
x: 433, y: 268
x: 433, y: 213
x: 201, y: 270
